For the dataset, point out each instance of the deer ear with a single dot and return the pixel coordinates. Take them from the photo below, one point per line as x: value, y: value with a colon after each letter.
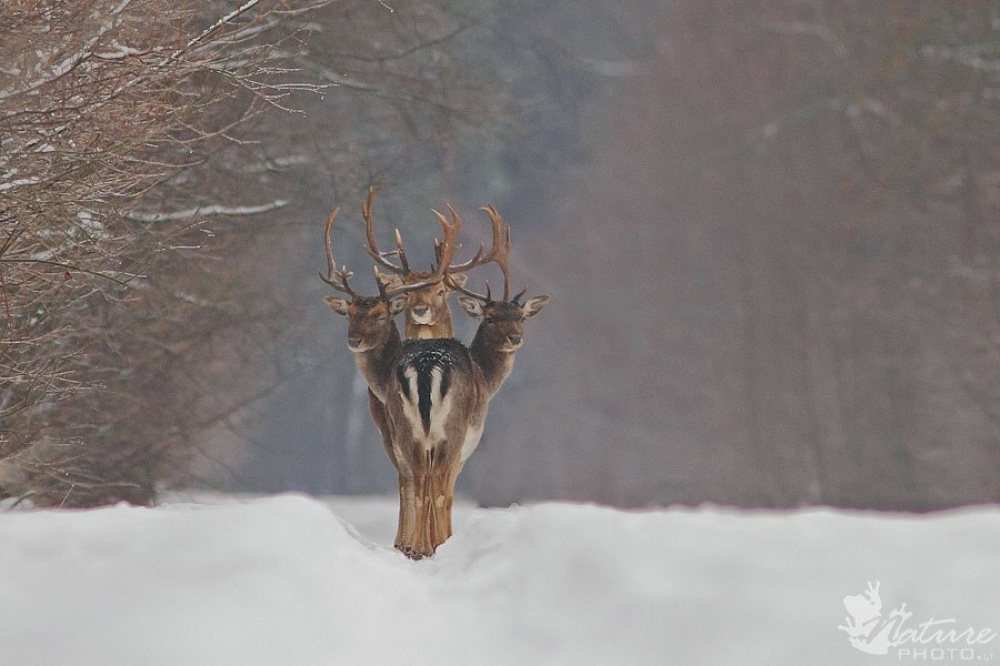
x: 459, y: 279
x: 338, y: 305
x: 471, y: 305
x: 397, y: 304
x: 390, y: 280
x: 534, y: 305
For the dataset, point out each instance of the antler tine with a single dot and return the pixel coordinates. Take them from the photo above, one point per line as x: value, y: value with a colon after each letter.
x: 445, y: 250
x: 331, y: 264
x: 382, y: 258
x: 402, y: 253
x: 503, y: 265
x: 461, y: 268
x: 457, y: 287
x: 382, y: 286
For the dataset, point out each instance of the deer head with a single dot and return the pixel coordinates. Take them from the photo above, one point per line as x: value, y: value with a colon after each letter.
x: 428, y: 313
x: 368, y: 319
x: 502, y: 322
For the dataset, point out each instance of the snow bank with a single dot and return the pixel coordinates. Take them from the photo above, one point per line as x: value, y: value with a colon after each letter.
x: 283, y: 580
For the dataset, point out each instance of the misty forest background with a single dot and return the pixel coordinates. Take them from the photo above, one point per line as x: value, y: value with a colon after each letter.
x: 771, y: 231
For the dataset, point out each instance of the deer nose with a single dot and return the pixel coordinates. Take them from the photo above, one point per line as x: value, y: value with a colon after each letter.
x: 354, y: 341
x: 419, y: 310
x: 514, y: 338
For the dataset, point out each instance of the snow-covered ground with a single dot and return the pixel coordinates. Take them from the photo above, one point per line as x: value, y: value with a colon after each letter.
x: 289, y: 580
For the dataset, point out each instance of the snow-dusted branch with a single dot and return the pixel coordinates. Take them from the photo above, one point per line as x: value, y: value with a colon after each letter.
x: 70, y: 62
x: 234, y: 14
x: 210, y: 210
x: 974, y: 56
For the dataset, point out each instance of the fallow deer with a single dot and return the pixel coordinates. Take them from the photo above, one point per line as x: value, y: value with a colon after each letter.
x: 444, y: 394
x: 374, y: 338
x: 427, y: 313
x: 435, y: 392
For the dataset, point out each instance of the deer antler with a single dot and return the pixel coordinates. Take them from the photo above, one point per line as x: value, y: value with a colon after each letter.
x: 382, y: 258
x: 337, y: 278
x: 445, y: 250
x: 500, y: 251
x: 331, y: 266
x: 499, y: 245
x: 498, y: 254
x: 438, y: 247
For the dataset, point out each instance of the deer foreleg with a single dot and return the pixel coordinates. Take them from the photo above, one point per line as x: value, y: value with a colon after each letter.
x: 440, y: 508
x: 423, y: 543
x: 444, y: 476
x: 407, y: 513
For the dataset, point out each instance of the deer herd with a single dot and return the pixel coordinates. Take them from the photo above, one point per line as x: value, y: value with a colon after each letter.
x: 428, y: 394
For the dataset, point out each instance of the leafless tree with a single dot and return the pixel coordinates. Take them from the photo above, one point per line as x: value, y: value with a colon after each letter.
x: 101, y: 102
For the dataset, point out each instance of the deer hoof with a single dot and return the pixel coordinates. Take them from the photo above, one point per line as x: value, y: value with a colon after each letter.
x: 410, y: 552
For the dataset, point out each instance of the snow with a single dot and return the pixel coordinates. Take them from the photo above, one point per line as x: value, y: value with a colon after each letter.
x: 19, y: 182
x: 291, y: 580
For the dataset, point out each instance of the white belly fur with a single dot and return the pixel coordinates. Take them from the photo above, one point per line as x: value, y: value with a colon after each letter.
x: 472, y: 437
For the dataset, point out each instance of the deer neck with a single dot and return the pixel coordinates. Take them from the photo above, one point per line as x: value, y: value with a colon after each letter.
x: 494, y: 364
x: 439, y: 329
x: 377, y: 364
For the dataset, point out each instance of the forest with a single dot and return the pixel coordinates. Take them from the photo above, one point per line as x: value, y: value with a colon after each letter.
x: 769, y: 230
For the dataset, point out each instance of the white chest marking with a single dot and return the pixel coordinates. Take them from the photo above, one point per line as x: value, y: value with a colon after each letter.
x: 439, y: 411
